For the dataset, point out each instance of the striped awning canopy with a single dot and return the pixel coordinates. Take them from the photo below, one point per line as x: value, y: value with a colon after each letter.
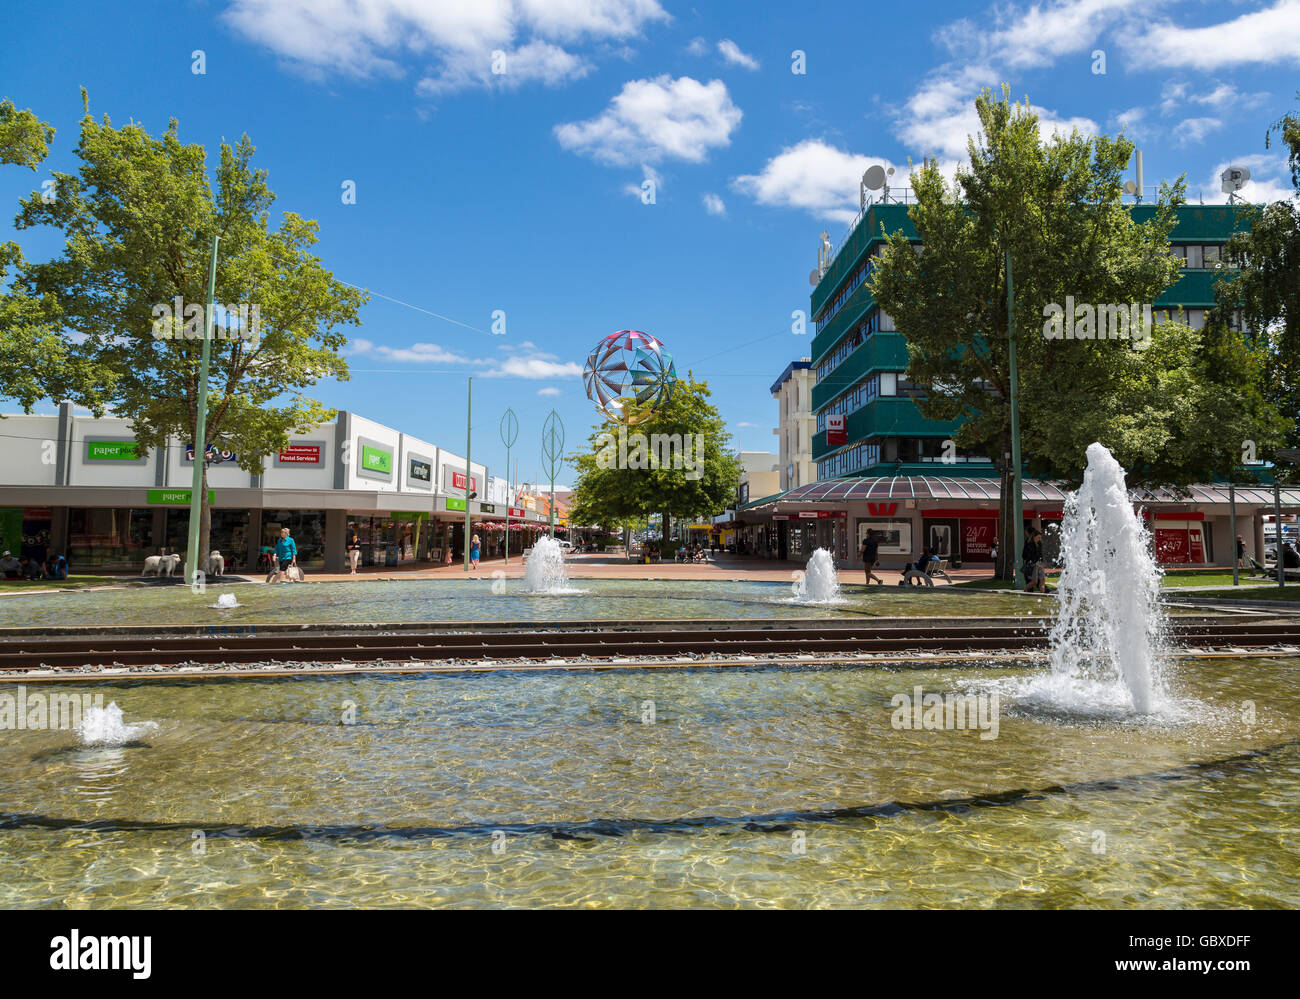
x: 956, y: 488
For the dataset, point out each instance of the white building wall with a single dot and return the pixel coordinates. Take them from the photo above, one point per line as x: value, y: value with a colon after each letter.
x: 30, y: 450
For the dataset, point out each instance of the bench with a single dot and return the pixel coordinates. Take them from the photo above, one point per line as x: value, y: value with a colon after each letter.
x: 932, y: 569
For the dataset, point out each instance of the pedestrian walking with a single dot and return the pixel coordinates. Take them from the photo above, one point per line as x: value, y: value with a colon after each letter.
x: 473, y: 551
x: 354, y: 553
x: 1241, y: 552
x: 871, y: 556
x: 286, y: 555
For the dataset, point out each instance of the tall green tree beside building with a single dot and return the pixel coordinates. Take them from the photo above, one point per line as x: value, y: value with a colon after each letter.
x: 1162, y: 407
x: 35, y: 360
x: 1263, y: 288
x: 139, y: 217
x: 621, y: 483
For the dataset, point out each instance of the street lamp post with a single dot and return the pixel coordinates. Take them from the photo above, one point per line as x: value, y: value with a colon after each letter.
x: 1017, y: 500
x: 469, y: 412
x: 509, y: 433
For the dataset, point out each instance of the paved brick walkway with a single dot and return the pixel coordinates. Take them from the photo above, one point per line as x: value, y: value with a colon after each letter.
x: 722, y: 566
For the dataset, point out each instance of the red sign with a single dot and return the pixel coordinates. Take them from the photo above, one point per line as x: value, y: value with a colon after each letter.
x: 300, y: 454
x: 518, y: 511
x: 1179, y: 545
x: 821, y: 514
x: 458, y: 482
x: 977, y: 536
x: 882, y: 509
x: 836, y: 433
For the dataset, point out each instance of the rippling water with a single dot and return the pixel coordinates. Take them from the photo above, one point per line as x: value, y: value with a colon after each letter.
x: 254, y: 793
x: 474, y: 600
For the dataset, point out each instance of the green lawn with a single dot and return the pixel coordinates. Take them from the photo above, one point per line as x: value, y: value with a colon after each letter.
x: 1173, y: 579
x: 1288, y: 594
x: 71, y: 583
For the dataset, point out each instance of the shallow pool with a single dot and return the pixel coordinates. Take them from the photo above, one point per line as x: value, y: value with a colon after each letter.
x: 737, y: 788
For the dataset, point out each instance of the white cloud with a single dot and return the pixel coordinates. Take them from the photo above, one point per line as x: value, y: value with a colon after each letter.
x: 814, y: 176
x: 1193, y: 130
x: 714, y: 205
x: 698, y: 46
x: 652, y: 120
x: 732, y: 53
x: 1270, y: 37
x: 523, y: 360
x: 940, y: 118
x: 1035, y: 36
x: 550, y: 390
x: 1132, y: 122
x: 533, y: 368
x: 364, y: 38
x: 536, y: 62
x: 416, y: 353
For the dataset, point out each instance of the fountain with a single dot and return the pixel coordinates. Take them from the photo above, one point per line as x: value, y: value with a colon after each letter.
x: 545, y: 572
x: 226, y: 601
x: 819, y: 583
x: 1109, y: 620
x: 104, y: 727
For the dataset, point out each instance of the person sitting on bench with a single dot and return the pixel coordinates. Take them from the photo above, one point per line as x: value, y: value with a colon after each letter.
x: 920, y: 569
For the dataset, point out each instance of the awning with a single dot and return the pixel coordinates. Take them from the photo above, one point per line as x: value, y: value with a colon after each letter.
x: 931, y: 487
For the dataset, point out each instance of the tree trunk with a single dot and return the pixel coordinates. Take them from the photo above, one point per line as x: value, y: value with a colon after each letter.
x: 205, y: 520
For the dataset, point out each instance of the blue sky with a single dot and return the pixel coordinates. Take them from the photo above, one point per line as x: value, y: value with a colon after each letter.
x: 521, y: 190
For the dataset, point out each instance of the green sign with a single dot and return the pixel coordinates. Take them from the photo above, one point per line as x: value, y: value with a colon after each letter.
x: 376, y: 459
x: 177, y: 497
x: 112, y: 451
x: 455, y: 504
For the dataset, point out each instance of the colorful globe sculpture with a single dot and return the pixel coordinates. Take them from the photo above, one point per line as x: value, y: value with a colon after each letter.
x: 629, y: 375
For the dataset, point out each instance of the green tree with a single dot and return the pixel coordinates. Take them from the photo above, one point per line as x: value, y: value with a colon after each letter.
x: 1055, y: 206
x: 139, y: 218
x: 1263, y: 290
x: 611, y: 495
x: 35, y: 360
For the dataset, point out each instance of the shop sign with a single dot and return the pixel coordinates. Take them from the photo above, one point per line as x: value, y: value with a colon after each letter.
x: 175, y: 497
x: 487, y: 508
x: 458, y: 482
x: 519, y: 512
x: 836, y: 432
x: 216, y: 455
x: 300, y: 454
x: 112, y: 451
x: 420, y: 471
x: 376, y: 459
x: 455, y: 504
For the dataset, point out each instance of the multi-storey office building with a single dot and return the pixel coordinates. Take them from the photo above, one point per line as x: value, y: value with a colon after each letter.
x: 881, y: 464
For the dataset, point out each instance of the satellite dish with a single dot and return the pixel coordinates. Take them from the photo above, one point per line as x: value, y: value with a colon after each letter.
x: 874, y: 178
x: 1234, y: 179
x: 1130, y: 187
x: 815, y: 277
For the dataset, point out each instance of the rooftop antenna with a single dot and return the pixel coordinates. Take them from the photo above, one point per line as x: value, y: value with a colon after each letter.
x: 876, y: 178
x: 823, y: 257
x: 1234, y: 179
x: 1132, y: 188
